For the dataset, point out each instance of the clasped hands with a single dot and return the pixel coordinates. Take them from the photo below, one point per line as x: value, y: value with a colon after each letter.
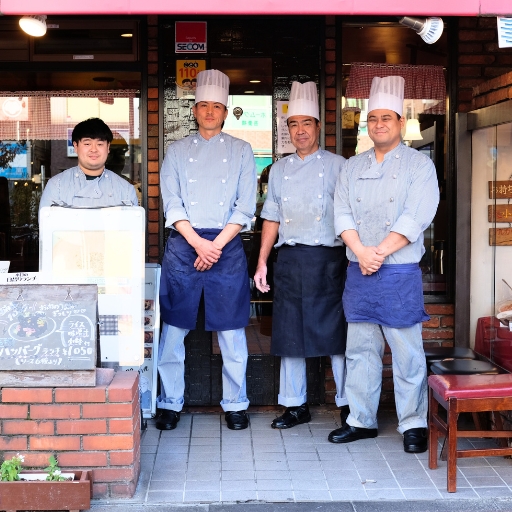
x: 370, y: 260
x: 208, y: 253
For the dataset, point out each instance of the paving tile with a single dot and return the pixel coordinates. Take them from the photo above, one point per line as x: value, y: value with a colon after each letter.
x: 384, y: 494
x: 275, y: 496
x: 264, y: 465
x: 162, y: 466
x: 367, y: 455
x: 349, y: 495
x: 275, y: 456
x: 173, y: 457
x: 237, y: 496
x: 309, y: 485
x: 202, y: 485
x: 165, y: 497
x: 238, y: 485
x: 169, y: 448
x: 238, y: 475
x: 168, y: 475
x: 303, y: 474
x: 486, y: 481
x: 237, y: 465
x: 167, y: 485
x: 493, y: 492
x: 463, y: 493
x: 370, y: 473
x: 380, y: 483
x: 199, y: 467
x: 205, y: 441
x: 302, y: 456
x: 211, y: 475
x: 206, y: 457
x: 422, y: 494
x: 478, y: 471
x: 345, y: 483
x: 272, y: 475
x: 202, y: 496
x: 338, y: 465
x: 408, y: 464
x: 312, y: 495
x: 273, y: 485
x: 416, y: 483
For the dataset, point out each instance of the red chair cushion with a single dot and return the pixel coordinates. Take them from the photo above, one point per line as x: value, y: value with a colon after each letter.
x: 471, y: 386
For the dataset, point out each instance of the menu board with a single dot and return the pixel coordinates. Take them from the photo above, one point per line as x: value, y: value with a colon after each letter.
x: 48, y: 327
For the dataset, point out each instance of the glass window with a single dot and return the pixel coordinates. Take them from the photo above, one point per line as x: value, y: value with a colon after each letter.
x: 35, y: 145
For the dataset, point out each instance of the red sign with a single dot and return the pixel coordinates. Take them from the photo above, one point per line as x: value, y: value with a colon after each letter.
x: 190, y: 37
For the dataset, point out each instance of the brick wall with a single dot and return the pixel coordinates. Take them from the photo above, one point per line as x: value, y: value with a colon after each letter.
x: 153, y: 205
x: 330, y: 83
x: 96, y: 429
x: 479, y: 60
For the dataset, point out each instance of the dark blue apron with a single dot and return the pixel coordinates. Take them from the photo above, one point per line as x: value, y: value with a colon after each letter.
x: 308, y: 319
x: 392, y: 296
x: 225, y: 285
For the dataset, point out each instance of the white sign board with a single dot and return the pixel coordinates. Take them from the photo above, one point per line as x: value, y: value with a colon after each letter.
x: 284, y: 144
x: 103, y: 246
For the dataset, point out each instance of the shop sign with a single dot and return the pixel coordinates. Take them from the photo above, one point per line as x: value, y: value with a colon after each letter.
x: 500, y: 213
x: 500, y: 236
x: 190, y: 37
x: 186, y: 77
x: 500, y: 189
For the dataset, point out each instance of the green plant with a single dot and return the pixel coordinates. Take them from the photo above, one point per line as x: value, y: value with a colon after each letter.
x: 10, y: 469
x: 53, y: 470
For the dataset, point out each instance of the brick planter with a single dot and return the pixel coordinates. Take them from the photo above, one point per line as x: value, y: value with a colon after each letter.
x: 95, y: 429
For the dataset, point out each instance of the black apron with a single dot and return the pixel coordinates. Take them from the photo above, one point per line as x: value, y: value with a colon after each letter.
x: 392, y: 296
x: 225, y: 285
x: 308, y: 319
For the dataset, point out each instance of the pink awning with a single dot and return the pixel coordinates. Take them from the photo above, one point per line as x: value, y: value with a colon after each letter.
x: 297, y: 7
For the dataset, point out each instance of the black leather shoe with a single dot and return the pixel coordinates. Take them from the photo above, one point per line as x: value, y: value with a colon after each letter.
x: 348, y: 433
x: 237, y: 420
x: 415, y: 440
x: 166, y: 419
x: 292, y: 416
x: 344, y: 412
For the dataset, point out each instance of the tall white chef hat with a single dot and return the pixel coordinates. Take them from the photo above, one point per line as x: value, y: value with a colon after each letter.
x: 387, y: 93
x: 212, y: 85
x: 303, y: 100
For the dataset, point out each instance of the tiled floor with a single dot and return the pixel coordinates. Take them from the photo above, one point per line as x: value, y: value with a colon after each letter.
x: 202, y: 461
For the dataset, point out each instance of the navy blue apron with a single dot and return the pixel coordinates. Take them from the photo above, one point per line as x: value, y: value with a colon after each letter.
x: 392, y: 296
x: 225, y: 285
x: 308, y: 319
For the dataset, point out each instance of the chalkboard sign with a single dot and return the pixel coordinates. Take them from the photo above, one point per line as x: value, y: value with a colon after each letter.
x: 48, y: 327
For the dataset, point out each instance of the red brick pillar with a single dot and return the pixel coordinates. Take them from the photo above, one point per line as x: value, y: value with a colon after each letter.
x: 96, y: 429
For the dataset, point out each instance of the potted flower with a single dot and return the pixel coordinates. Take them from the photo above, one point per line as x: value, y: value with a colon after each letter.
x: 51, y: 490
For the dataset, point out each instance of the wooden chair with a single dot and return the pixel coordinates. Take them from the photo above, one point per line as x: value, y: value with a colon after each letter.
x: 466, y: 393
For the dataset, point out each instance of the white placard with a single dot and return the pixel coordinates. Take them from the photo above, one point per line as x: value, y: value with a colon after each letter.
x: 283, y: 136
x: 4, y: 267
x: 103, y: 246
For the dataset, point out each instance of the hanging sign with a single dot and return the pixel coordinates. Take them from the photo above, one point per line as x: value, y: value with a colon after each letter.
x: 186, y: 77
x: 500, y: 236
x: 500, y: 213
x: 190, y: 37
x: 500, y: 189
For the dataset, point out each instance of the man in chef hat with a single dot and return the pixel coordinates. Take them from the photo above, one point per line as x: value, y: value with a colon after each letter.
x: 208, y: 183
x: 385, y: 198
x: 308, y: 319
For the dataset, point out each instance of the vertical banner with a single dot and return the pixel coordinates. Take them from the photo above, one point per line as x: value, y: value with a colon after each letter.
x: 190, y: 37
x: 186, y: 77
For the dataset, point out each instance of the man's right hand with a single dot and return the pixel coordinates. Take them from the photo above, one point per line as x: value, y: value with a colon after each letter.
x: 207, y: 252
x: 260, y: 278
x: 370, y: 260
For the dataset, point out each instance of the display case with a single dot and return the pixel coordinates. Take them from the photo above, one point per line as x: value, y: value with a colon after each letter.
x: 491, y: 243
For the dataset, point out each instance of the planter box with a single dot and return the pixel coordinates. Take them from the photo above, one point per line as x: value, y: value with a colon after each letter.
x: 23, y: 495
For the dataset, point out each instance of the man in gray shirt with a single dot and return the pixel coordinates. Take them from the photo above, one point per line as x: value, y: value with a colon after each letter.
x: 309, y: 273
x: 208, y: 183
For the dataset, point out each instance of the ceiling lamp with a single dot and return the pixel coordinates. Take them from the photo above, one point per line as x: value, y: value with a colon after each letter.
x: 429, y: 29
x: 412, y: 130
x: 34, y: 25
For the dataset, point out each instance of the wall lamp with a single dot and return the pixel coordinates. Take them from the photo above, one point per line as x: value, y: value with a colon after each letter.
x: 429, y: 29
x: 34, y: 25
